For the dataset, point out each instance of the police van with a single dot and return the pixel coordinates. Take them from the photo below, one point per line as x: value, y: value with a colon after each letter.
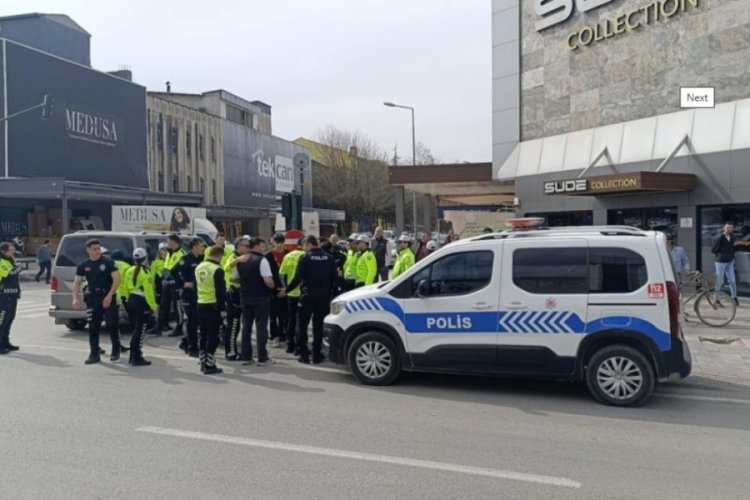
x: 593, y: 304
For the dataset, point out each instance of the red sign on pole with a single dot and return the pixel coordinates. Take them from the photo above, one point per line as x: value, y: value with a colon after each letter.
x: 291, y: 239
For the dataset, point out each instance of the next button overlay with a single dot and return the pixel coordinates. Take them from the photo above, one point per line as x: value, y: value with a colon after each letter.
x: 697, y: 97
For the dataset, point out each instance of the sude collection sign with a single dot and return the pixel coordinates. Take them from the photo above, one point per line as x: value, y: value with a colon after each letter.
x: 636, y: 182
x: 554, y: 12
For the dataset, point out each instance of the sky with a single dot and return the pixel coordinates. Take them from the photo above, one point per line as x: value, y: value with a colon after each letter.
x: 316, y: 62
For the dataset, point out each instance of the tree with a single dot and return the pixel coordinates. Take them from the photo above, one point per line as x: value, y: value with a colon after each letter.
x: 350, y: 173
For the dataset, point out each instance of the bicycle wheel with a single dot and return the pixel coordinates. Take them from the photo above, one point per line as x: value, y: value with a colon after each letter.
x: 713, y: 312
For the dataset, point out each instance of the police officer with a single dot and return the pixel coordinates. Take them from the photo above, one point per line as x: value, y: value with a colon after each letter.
x: 288, y: 271
x: 316, y: 276
x: 234, y: 304
x: 118, y: 257
x: 405, y: 257
x: 350, y: 265
x: 10, y: 292
x: 367, y: 265
x: 185, y: 269
x: 339, y: 257
x: 139, y: 290
x: 170, y: 290
x: 102, y: 281
x: 211, y: 286
x: 221, y: 242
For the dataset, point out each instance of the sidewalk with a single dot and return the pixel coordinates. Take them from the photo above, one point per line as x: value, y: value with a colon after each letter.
x: 728, y: 362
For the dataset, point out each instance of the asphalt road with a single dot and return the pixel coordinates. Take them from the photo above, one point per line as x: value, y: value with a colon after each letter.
x: 292, y: 431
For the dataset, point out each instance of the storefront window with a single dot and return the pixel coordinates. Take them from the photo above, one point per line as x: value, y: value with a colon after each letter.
x: 712, y: 220
x: 649, y: 219
x: 578, y: 218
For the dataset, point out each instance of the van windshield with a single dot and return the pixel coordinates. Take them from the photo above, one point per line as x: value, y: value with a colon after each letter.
x: 72, y: 249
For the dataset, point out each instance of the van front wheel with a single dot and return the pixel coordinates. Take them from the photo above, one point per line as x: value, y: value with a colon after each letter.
x: 373, y: 359
x: 76, y: 324
x: 620, y: 375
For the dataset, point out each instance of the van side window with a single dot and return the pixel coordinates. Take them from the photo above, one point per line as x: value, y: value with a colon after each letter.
x: 457, y: 274
x: 551, y: 271
x: 616, y: 270
x: 72, y: 250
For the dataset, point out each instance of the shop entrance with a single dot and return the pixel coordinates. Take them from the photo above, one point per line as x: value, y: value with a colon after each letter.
x: 712, y: 221
x: 649, y: 219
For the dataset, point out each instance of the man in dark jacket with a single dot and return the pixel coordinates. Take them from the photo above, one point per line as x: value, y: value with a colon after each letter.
x: 723, y: 249
x: 279, y: 302
x: 256, y: 284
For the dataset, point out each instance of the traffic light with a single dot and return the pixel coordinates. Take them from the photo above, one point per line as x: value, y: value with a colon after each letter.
x: 48, y: 107
x: 291, y: 210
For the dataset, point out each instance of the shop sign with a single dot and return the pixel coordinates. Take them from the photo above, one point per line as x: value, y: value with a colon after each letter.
x: 594, y: 186
x: 570, y: 186
x: 90, y: 128
x: 279, y: 168
x: 554, y: 12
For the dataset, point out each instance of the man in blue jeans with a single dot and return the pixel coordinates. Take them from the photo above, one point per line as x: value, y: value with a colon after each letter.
x: 256, y: 283
x: 724, y: 248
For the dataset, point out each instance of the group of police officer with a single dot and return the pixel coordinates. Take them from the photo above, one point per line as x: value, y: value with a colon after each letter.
x: 210, y: 291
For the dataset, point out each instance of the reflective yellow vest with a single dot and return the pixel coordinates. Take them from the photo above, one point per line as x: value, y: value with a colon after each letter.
x: 288, y: 270
x: 205, y: 281
x: 141, y: 285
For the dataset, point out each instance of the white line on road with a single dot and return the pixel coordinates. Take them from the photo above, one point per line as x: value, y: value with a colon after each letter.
x: 31, y: 315
x: 368, y: 457
x: 703, y: 398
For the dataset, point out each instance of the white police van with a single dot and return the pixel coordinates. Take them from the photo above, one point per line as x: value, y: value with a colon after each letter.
x: 599, y: 304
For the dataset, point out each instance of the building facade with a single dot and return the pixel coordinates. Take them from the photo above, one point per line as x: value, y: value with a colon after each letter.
x: 185, y: 150
x: 632, y: 112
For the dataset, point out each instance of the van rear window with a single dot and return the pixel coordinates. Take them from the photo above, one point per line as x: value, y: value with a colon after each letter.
x: 72, y: 249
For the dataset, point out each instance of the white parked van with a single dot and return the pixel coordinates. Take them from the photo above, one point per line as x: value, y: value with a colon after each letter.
x: 599, y: 304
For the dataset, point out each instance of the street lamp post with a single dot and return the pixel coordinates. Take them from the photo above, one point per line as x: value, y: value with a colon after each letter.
x: 413, y: 160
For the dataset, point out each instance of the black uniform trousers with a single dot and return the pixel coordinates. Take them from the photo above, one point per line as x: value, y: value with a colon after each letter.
x: 292, y: 322
x: 165, y: 302
x: 8, y: 306
x: 279, y: 314
x: 314, y: 305
x: 256, y: 310
x: 190, y: 310
x: 234, y: 321
x: 209, y: 318
x: 95, y: 314
x: 141, y: 316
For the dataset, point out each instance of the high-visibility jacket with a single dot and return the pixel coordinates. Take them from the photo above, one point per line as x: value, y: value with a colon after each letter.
x: 205, y: 279
x: 404, y: 261
x: 367, y: 268
x: 157, y: 267
x: 174, y: 259
x: 142, y: 285
x: 288, y: 270
x: 350, y: 266
x: 10, y: 286
x: 232, y: 282
x: 228, y: 254
x: 123, y: 267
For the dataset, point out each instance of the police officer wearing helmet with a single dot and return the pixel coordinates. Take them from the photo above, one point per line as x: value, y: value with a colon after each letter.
x: 367, y: 264
x: 405, y: 258
x: 102, y: 281
x: 211, y: 298
x: 350, y: 264
x: 316, y: 276
x: 10, y: 292
x: 139, y: 290
x: 189, y: 298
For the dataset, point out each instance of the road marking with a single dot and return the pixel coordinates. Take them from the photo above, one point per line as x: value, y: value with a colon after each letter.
x: 25, y: 315
x: 367, y: 457
x: 704, y: 398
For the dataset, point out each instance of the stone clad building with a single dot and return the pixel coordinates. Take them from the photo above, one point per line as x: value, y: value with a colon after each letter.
x: 631, y: 112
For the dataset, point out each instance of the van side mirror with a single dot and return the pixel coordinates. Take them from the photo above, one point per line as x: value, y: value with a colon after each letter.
x: 423, y: 289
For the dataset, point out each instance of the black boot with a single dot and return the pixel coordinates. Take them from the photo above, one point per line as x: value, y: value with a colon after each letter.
x: 11, y: 347
x: 176, y: 332
x: 116, y: 349
x: 290, y: 348
x: 209, y: 367
x: 140, y: 361
x: 93, y: 358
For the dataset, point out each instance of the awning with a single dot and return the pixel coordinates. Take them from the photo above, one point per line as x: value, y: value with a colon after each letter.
x: 622, y: 184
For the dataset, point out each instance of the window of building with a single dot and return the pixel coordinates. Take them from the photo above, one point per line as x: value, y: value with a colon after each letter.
x: 159, y: 132
x: 175, y: 184
x: 173, y: 139
x: 549, y: 271
x: 213, y: 192
x: 457, y: 274
x: 203, y: 187
x: 616, y: 270
x: 711, y: 223
x: 188, y: 145
x: 189, y: 184
x: 649, y: 219
x: 160, y: 182
x: 200, y: 146
x: 213, y: 149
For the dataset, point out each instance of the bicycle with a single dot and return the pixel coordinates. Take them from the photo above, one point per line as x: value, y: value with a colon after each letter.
x: 715, y: 309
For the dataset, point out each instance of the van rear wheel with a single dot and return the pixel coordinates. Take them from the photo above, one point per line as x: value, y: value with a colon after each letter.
x: 75, y: 324
x: 373, y: 359
x: 619, y: 375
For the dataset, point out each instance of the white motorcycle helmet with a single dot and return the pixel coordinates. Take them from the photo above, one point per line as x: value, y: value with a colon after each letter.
x: 431, y: 246
x: 140, y: 254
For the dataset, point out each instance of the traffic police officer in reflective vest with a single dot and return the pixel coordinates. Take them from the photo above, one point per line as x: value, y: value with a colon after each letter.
x: 350, y: 265
x: 211, y: 285
x: 10, y: 292
x: 316, y: 276
x: 186, y: 271
x: 289, y: 271
x: 102, y: 281
x: 405, y: 257
x: 234, y: 304
x: 139, y: 290
x: 367, y: 265
x: 170, y: 291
